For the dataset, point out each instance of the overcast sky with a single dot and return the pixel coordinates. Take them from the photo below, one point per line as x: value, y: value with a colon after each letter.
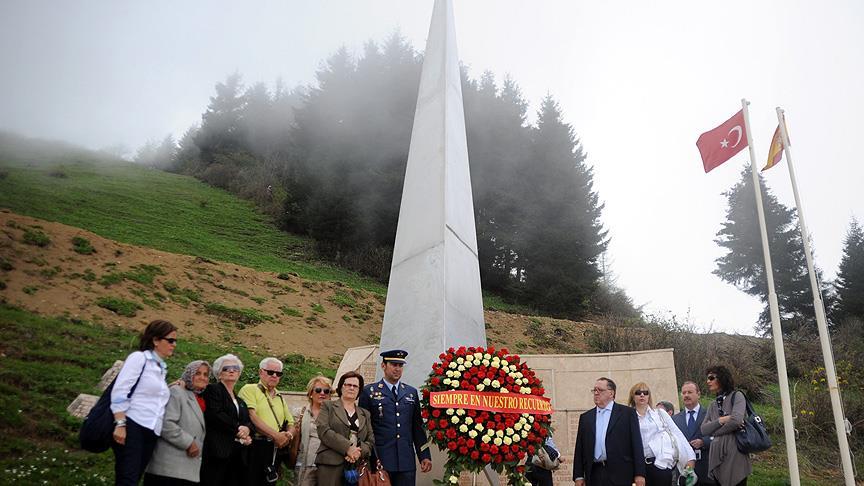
x: 639, y: 81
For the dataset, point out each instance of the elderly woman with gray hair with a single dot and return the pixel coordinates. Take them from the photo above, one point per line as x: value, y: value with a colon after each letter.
x: 176, y: 459
x: 228, y: 426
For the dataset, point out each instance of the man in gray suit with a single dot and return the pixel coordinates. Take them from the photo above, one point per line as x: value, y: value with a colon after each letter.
x: 689, y: 420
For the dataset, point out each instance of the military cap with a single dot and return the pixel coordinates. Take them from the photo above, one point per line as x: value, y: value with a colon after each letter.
x: 394, y: 356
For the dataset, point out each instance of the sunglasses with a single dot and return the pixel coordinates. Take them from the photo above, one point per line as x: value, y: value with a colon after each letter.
x: 273, y: 372
x: 644, y: 393
x: 228, y: 368
x: 170, y: 340
x: 325, y: 391
x: 711, y: 377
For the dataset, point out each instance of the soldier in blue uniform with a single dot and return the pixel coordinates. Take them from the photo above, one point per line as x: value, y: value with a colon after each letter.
x: 396, y: 421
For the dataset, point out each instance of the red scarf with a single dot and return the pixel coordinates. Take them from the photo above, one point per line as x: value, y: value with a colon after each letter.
x: 201, y: 403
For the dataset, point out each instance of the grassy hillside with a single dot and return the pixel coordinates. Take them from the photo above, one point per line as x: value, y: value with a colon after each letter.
x: 141, y: 206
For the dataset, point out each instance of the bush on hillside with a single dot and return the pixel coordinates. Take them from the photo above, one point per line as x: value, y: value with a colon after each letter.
x: 744, y: 356
x: 36, y: 237
x: 82, y: 246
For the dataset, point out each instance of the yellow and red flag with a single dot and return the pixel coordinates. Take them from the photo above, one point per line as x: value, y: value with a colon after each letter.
x: 775, y: 153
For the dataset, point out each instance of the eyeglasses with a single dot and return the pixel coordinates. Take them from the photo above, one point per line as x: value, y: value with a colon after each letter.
x: 273, y: 372
x: 644, y: 393
x: 170, y: 340
x: 229, y: 368
x: 599, y: 390
x: 711, y: 377
x: 325, y: 391
x: 350, y: 385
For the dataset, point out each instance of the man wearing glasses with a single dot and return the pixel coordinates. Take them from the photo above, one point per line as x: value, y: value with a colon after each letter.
x: 271, y: 418
x: 396, y: 421
x: 608, y: 443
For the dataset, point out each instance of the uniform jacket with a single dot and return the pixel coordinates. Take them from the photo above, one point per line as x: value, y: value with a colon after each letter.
x: 625, y: 457
x: 725, y: 463
x: 399, y: 433
x: 183, y: 424
x: 334, y: 432
x: 222, y: 421
x: 680, y: 420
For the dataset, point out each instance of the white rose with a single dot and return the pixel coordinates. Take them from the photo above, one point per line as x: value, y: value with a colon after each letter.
x: 486, y: 439
x: 518, y: 381
x: 478, y: 356
x: 450, y: 411
x: 487, y: 356
x: 480, y: 387
x: 449, y: 373
x: 504, y: 390
x: 463, y: 428
x: 490, y: 432
x: 497, y: 441
x: 485, y: 362
x: 495, y: 383
x: 454, y: 419
x: 454, y: 383
x: 508, y: 440
x: 478, y: 426
x: 456, y: 374
x: 487, y: 381
x: 452, y: 365
x: 524, y: 434
x: 460, y: 411
x: 520, y: 375
x: 531, y: 418
x: 509, y: 431
x: 460, y: 361
x: 517, y: 438
x: 472, y: 433
x: 460, y: 368
x: 446, y: 381
x: 454, y: 479
x: 517, y: 426
x: 469, y: 420
x: 504, y: 363
x: 499, y: 433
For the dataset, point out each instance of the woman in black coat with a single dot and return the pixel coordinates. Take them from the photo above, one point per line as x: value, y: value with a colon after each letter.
x: 228, y: 426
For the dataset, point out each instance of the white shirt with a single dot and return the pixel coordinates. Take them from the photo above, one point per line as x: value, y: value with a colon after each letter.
x: 146, y: 407
x: 658, y: 431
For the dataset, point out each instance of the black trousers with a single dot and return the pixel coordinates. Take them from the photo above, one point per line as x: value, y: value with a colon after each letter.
x: 230, y: 471
x: 260, y: 458
x: 538, y: 476
x: 655, y: 476
x: 131, y: 459
x: 402, y: 478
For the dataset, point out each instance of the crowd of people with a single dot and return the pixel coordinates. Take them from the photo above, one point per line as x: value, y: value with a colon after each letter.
x: 200, y: 430
x: 644, y: 445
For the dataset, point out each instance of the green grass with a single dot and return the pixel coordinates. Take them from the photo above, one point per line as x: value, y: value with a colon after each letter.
x: 36, y: 238
x: 47, y: 362
x: 119, y: 306
x: 244, y: 316
x: 82, y: 246
x: 133, y: 204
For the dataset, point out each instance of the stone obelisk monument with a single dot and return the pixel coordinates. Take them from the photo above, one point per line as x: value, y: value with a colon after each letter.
x: 433, y: 298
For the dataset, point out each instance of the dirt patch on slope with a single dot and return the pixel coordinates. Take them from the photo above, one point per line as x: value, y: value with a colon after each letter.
x: 124, y: 285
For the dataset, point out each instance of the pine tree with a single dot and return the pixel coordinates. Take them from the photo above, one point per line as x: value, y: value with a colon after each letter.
x: 849, y: 283
x: 563, y: 235
x: 222, y: 130
x: 743, y: 264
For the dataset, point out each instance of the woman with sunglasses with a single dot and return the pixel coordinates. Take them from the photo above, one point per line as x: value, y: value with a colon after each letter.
x: 177, y: 457
x: 138, y: 401
x: 664, y: 445
x: 228, y: 426
x: 725, y: 416
x: 318, y: 391
x: 345, y: 430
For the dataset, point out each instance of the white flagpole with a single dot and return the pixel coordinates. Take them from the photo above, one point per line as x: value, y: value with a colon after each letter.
x: 824, y: 337
x: 776, y: 331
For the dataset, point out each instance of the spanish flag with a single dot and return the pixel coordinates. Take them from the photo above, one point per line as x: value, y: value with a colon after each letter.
x: 775, y: 153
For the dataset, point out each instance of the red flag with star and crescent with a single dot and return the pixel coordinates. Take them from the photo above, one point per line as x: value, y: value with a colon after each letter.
x: 722, y: 143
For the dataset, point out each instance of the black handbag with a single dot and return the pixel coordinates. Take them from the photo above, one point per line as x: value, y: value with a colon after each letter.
x: 97, y: 431
x: 752, y: 437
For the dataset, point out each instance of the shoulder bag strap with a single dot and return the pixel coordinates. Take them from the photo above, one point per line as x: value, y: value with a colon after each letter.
x: 273, y: 410
x: 132, y: 390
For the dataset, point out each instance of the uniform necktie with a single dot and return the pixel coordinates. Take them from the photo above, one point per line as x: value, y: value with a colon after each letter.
x: 691, y: 421
x: 394, y: 391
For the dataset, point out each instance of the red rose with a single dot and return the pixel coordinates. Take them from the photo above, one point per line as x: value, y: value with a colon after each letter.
x: 460, y: 441
x: 452, y: 446
x: 463, y: 450
x: 494, y: 449
x: 543, y: 432
x: 431, y: 424
x: 505, y: 448
x: 490, y: 425
x: 436, y: 412
x: 520, y: 469
x: 475, y: 381
x: 442, y: 423
x: 474, y: 455
x: 484, y: 446
x: 451, y: 433
x: 510, y: 457
x: 424, y: 413
x: 442, y: 356
x: 439, y: 436
x: 498, y: 459
x: 487, y: 458
x: 531, y: 449
x: 426, y: 393
x: 520, y: 455
x: 472, y: 413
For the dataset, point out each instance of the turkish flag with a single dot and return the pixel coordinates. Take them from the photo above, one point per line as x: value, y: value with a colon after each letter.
x: 720, y: 144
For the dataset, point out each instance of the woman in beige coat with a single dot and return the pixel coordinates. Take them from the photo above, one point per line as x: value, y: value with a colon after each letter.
x: 345, y: 431
x: 726, y: 464
x: 318, y: 392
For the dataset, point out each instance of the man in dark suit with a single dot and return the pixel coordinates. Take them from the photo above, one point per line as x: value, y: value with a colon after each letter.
x: 689, y: 420
x: 396, y: 422
x: 608, y: 442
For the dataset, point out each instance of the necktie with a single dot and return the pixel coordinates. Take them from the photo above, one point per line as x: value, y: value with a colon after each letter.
x: 394, y: 391
x: 691, y: 421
